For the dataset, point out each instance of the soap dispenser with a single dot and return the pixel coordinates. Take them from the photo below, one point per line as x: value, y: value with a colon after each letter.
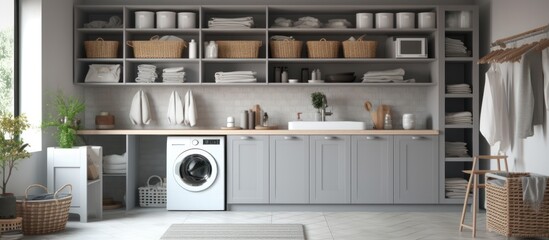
x: 192, y: 49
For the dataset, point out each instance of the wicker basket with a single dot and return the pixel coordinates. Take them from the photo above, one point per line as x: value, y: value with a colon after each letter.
x: 100, y: 48
x: 323, y: 49
x: 506, y: 213
x: 152, y: 195
x: 44, y: 216
x: 238, y: 49
x: 155, y: 48
x: 359, y: 48
x: 286, y: 49
x: 14, y: 224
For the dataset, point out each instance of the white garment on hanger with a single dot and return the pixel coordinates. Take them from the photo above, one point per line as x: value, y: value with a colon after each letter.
x: 534, y: 59
x: 523, y: 103
x: 545, y: 63
x: 175, y: 109
x: 494, y: 115
x: 139, y: 110
x: 190, y: 109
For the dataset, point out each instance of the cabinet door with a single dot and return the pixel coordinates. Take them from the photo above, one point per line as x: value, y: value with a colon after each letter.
x: 372, y: 169
x: 330, y: 169
x: 416, y: 169
x: 289, y: 169
x: 248, y: 169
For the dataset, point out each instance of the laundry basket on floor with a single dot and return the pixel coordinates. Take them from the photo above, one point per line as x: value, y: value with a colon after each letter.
x: 507, y: 214
x: 153, y: 195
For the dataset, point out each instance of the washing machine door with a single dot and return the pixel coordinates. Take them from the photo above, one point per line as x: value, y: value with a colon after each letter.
x: 195, y: 170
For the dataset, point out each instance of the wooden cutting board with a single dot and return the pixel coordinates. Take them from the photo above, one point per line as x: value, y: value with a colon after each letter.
x: 378, y: 116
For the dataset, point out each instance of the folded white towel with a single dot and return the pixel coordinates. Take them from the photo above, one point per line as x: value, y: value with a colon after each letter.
x: 392, y: 72
x: 173, y: 70
x: 139, y: 110
x: 175, y: 109
x: 112, y: 171
x: 114, y: 159
x: 114, y: 167
x: 190, y: 109
x: 243, y: 80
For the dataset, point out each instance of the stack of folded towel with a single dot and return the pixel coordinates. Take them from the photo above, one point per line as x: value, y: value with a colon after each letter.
x: 459, y: 118
x: 455, y: 188
x: 458, y: 88
x: 114, y: 164
x: 455, y: 48
x: 387, y: 76
x: 456, y: 149
x: 114, y: 22
x: 242, y: 22
x: 146, y: 73
x: 235, y: 77
x: 173, y: 75
x: 338, y: 23
x: 281, y: 22
x: 308, y: 22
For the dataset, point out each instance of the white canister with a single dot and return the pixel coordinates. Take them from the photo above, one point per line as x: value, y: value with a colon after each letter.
x: 405, y: 20
x: 186, y: 20
x: 408, y: 121
x: 465, y: 19
x: 165, y: 19
x: 364, y: 20
x: 230, y: 122
x: 385, y: 20
x: 144, y: 19
x: 453, y: 19
x: 426, y: 20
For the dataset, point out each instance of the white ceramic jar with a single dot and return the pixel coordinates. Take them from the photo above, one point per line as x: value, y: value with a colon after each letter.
x: 385, y: 20
x: 364, y: 20
x: 465, y: 19
x: 186, y: 20
x: 408, y: 121
x: 426, y: 20
x: 165, y: 19
x: 144, y: 19
x: 405, y: 20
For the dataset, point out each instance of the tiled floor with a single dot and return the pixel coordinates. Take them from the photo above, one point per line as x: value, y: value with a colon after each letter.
x: 151, y: 224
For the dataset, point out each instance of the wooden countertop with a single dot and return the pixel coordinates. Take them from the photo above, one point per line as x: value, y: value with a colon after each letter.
x: 253, y: 132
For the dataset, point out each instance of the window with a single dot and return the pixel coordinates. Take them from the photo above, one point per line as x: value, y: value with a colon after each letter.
x: 8, y: 83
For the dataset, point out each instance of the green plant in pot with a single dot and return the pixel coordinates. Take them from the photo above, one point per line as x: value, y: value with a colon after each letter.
x: 317, y: 101
x: 66, y: 120
x: 12, y: 150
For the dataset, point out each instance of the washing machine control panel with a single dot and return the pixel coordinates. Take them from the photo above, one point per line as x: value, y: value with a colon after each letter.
x: 195, y: 142
x: 211, y: 142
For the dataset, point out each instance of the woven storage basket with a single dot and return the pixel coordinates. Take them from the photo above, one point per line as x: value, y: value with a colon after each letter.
x: 11, y: 224
x: 44, y: 216
x: 100, y: 48
x: 359, y: 48
x: 323, y: 49
x: 155, y: 48
x: 506, y: 213
x: 152, y: 195
x: 238, y: 49
x: 286, y: 49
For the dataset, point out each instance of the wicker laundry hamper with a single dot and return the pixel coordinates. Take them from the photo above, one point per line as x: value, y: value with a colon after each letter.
x: 100, y: 48
x: 323, y: 49
x: 359, y: 48
x: 44, y: 216
x: 238, y: 49
x: 507, y: 214
x: 286, y: 48
x: 155, y: 48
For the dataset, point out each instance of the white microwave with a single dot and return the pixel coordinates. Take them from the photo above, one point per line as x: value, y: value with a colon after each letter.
x: 407, y: 47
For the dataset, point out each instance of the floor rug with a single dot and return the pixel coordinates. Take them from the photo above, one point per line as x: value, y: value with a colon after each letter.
x: 235, y: 231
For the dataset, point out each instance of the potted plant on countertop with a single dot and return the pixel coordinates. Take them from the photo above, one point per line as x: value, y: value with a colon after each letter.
x: 317, y: 101
x: 12, y: 150
x: 66, y: 120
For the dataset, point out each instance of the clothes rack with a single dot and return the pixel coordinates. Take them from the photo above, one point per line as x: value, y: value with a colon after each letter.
x: 533, y: 32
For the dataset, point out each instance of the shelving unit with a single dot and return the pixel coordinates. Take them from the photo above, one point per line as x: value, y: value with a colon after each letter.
x: 457, y: 70
x: 201, y: 70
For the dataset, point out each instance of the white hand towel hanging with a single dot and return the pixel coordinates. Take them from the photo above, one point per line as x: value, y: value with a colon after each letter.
x: 139, y: 111
x: 190, y: 109
x: 545, y: 62
x: 175, y: 109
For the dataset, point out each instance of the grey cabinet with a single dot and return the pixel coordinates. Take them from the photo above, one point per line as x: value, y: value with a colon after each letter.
x: 416, y: 169
x: 248, y: 168
x: 330, y: 169
x: 372, y: 169
x: 289, y: 169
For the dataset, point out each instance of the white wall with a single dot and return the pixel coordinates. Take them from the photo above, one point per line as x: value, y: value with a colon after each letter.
x: 46, y: 66
x: 509, y: 17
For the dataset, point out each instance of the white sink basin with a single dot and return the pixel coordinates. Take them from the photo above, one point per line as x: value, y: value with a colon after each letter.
x: 329, y: 125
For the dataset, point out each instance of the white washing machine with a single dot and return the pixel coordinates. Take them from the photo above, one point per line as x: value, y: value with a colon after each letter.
x: 196, y: 173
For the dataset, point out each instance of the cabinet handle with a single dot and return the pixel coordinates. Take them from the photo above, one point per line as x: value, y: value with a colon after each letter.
x: 245, y: 138
x: 330, y: 138
x: 417, y: 138
x: 289, y: 138
x: 371, y: 138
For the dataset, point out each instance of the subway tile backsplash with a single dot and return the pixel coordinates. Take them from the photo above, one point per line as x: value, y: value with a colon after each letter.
x: 215, y: 103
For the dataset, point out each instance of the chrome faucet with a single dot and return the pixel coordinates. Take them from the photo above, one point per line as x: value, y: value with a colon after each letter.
x: 323, y: 112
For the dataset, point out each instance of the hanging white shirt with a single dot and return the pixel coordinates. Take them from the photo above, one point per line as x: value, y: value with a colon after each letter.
x: 545, y: 63
x: 494, y: 115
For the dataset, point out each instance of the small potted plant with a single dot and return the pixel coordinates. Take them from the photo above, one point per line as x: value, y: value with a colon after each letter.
x: 66, y: 120
x: 317, y: 101
x: 12, y: 150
